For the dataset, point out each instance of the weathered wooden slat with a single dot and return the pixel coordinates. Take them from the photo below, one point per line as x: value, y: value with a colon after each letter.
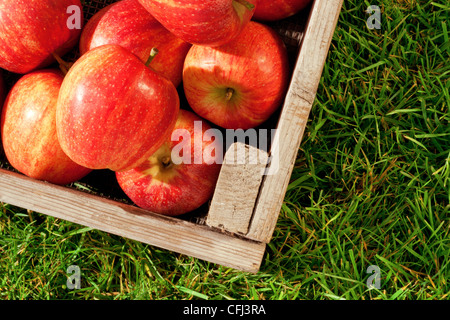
x: 294, y: 116
x: 237, y: 188
x: 131, y: 222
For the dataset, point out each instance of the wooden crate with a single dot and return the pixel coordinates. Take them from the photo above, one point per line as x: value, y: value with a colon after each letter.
x: 241, y: 218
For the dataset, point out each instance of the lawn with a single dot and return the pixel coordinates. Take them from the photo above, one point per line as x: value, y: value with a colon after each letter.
x: 366, y: 215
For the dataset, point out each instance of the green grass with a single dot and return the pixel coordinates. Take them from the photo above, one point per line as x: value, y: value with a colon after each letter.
x: 370, y: 187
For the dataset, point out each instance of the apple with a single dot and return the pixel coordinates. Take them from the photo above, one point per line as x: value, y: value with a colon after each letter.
x: 203, y: 22
x: 271, y: 10
x: 28, y: 128
x: 169, y: 187
x: 128, y: 24
x: 2, y: 89
x: 241, y: 84
x: 32, y: 31
x: 113, y: 111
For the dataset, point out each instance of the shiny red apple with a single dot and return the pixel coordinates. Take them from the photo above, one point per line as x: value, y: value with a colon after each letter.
x: 238, y: 85
x: 204, y: 22
x: 2, y: 89
x: 173, y: 187
x: 28, y: 128
x: 129, y: 24
x: 113, y: 111
x: 31, y: 31
x: 271, y: 10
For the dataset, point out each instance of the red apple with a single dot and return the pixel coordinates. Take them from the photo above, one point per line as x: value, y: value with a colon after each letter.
x: 128, y: 24
x: 31, y: 31
x: 113, y: 111
x: 271, y: 10
x: 204, y: 22
x: 240, y: 84
x: 28, y: 128
x: 2, y: 89
x: 169, y: 187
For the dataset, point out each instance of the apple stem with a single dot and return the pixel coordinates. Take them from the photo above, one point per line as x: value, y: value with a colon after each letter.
x: 153, y: 54
x: 166, y: 161
x: 245, y: 3
x: 63, y: 65
x: 229, y: 94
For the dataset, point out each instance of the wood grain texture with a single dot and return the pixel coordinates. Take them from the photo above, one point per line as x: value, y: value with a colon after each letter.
x: 237, y: 188
x: 131, y: 222
x: 291, y: 126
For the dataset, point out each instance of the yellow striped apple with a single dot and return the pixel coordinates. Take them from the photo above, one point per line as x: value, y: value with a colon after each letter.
x: 205, y: 22
x: 164, y: 184
x: 113, y: 111
x: 31, y: 31
x: 28, y: 128
x: 129, y: 24
x: 241, y: 84
x: 271, y: 10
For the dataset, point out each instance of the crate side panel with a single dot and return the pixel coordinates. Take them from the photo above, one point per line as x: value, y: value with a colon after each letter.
x: 130, y: 222
x: 294, y: 117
